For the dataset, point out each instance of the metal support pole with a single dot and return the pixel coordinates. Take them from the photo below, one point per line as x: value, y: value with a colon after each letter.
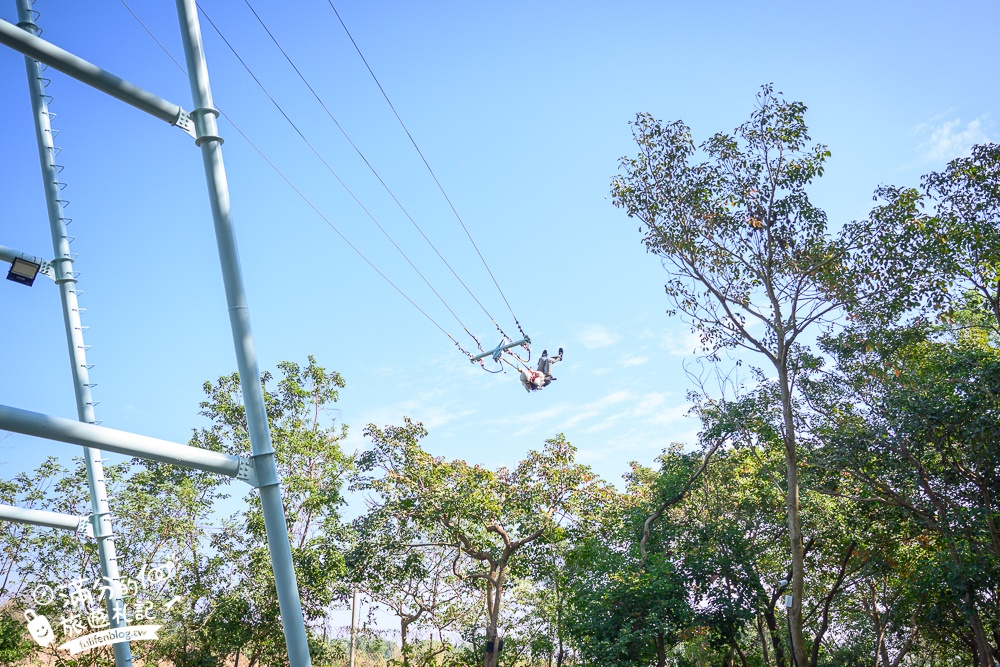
x: 495, y: 353
x: 65, y: 278
x: 47, y: 519
x: 354, y: 626
x: 122, y: 442
x: 208, y: 139
x: 35, y: 48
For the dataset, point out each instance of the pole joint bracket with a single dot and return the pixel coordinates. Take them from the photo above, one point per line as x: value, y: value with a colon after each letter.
x: 247, y: 471
x: 205, y: 126
x: 185, y: 122
x: 84, y: 528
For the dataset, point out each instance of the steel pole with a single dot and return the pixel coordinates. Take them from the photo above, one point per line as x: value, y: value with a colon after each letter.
x: 206, y: 129
x: 354, y: 627
x: 122, y: 442
x: 38, y: 49
x: 45, y: 519
x: 65, y: 278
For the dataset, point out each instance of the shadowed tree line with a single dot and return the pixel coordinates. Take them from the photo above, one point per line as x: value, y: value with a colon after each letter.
x: 839, y: 507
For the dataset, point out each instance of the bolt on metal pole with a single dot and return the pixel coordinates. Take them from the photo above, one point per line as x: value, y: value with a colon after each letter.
x: 63, y: 265
x: 205, y: 114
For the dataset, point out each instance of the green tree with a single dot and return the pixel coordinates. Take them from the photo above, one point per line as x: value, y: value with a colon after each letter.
x: 620, y: 610
x: 935, y: 259
x: 922, y: 393
x: 490, y: 518
x: 410, y: 573
x: 750, y: 261
x: 244, y: 607
x: 917, y: 431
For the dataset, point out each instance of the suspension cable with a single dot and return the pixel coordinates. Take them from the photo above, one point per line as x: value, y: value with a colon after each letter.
x: 426, y: 164
x: 368, y: 164
x: 335, y: 175
x: 302, y: 195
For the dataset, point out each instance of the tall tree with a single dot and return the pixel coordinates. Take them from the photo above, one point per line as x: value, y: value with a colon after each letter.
x: 923, y: 393
x: 312, y: 467
x: 934, y: 246
x: 409, y: 572
x: 917, y: 431
x: 750, y: 261
x: 489, y: 517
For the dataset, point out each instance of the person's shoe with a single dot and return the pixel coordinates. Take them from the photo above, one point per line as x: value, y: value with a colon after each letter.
x: 560, y: 351
x: 545, y: 353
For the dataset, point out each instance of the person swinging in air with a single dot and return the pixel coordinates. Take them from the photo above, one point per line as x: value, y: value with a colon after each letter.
x: 533, y: 380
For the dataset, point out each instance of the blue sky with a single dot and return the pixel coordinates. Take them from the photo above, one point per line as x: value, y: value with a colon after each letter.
x: 522, y: 109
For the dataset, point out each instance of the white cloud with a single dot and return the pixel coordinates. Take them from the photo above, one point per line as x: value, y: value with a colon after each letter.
x: 639, y: 443
x: 594, y: 336
x: 670, y: 415
x: 612, y: 398
x: 949, y: 139
x: 577, y: 418
x: 431, y: 409
x: 649, y: 409
x: 681, y: 344
x: 633, y: 360
x: 572, y: 415
x: 532, y: 421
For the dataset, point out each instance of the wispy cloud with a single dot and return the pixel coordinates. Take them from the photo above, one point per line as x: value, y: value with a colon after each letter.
x: 577, y: 418
x: 651, y: 409
x: 681, y: 344
x: 609, y: 410
x: 633, y: 360
x: 594, y: 336
x: 430, y: 409
x: 946, y: 139
x: 639, y: 443
x: 671, y: 415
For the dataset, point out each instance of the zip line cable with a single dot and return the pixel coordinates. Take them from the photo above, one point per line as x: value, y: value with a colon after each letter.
x: 427, y: 164
x: 365, y: 159
x: 335, y: 175
x: 345, y: 239
x: 305, y: 198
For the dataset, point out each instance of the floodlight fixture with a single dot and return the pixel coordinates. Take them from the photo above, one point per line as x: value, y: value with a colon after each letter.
x: 23, y: 271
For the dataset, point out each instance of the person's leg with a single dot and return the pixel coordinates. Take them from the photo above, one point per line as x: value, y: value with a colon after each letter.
x: 544, y: 362
x: 549, y: 361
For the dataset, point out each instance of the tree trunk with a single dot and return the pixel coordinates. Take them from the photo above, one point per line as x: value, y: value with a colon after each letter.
x: 492, y: 649
x: 797, y: 586
x: 776, y: 641
x: 739, y: 652
x: 984, y: 652
x: 490, y: 657
x: 404, y: 624
x: 559, y: 655
x: 759, y: 624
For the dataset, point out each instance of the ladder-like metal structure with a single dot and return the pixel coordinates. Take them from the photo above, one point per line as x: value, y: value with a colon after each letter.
x: 259, y: 469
